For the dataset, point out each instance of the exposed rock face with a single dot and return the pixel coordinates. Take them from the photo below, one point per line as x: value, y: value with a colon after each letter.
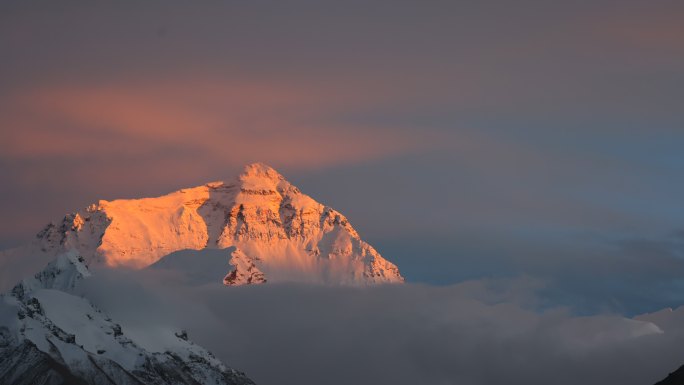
x: 48, y: 335
x: 245, y: 271
x: 281, y: 234
x: 22, y: 363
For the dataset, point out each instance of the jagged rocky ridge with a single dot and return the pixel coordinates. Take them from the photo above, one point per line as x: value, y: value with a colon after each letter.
x: 50, y: 335
x: 279, y: 234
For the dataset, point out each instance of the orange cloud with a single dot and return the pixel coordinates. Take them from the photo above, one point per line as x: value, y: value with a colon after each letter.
x: 218, y: 121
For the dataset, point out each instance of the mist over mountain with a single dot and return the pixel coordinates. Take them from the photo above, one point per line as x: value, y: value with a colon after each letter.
x: 49, y: 334
x: 168, y: 272
x: 478, y: 332
x: 461, y: 192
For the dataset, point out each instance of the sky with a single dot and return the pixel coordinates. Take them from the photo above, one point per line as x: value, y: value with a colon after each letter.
x: 464, y: 140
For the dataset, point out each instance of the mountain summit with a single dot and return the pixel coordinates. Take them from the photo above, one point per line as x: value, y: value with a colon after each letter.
x: 269, y: 230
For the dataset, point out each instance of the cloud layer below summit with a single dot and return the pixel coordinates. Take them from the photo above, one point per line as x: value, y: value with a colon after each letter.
x: 478, y: 332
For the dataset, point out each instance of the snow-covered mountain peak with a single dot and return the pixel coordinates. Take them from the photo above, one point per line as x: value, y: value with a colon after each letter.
x: 63, y: 274
x: 49, y: 335
x: 281, y: 233
x: 261, y: 171
x: 258, y: 179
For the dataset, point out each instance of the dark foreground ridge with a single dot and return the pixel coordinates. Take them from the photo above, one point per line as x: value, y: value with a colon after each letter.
x: 674, y: 378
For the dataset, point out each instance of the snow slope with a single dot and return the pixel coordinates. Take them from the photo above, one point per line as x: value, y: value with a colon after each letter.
x: 279, y: 233
x: 49, y: 335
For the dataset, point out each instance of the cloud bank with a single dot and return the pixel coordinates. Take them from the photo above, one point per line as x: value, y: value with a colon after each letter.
x: 476, y: 333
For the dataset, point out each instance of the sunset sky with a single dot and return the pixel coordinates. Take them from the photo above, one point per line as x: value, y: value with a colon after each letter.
x: 462, y: 139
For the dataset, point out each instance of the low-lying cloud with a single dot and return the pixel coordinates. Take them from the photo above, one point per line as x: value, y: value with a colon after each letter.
x: 479, y: 332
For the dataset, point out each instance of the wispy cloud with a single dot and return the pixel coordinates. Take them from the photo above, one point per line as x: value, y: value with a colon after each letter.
x: 218, y: 120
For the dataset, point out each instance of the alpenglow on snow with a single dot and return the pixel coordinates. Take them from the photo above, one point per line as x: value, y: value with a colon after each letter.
x: 268, y: 230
